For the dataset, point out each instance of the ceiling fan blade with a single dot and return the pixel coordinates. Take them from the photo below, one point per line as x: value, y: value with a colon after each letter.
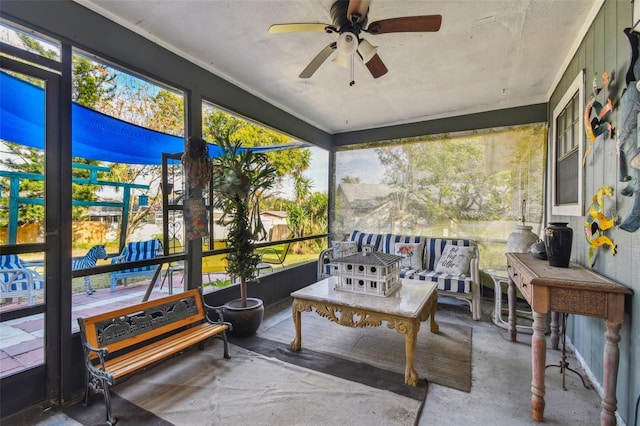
x: 376, y: 66
x: 309, y: 27
x: 361, y: 7
x: 318, y: 60
x: 427, y: 23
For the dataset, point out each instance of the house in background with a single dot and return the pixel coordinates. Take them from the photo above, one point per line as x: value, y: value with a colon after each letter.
x: 275, y: 223
x: 363, y: 206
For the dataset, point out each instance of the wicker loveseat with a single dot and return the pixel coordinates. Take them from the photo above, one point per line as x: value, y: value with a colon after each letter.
x: 456, y: 274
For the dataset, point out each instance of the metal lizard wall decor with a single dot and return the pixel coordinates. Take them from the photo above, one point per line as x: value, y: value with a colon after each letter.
x: 596, y: 222
x: 595, y: 115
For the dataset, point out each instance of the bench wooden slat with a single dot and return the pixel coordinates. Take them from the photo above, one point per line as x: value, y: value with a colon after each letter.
x: 137, y: 359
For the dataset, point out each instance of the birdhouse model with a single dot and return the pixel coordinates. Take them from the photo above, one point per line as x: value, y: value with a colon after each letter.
x: 370, y: 273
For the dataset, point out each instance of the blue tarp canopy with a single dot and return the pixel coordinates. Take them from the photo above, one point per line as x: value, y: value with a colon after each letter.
x: 95, y: 136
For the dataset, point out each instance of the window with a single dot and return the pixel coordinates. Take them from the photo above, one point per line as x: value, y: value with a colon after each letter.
x: 463, y: 185
x: 566, y: 162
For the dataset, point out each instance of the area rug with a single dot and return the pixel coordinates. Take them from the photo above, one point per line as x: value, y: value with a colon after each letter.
x: 202, y: 388
x: 443, y: 358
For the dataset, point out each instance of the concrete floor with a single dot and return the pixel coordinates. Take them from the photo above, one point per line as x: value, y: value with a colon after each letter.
x: 500, y: 393
x: 501, y: 384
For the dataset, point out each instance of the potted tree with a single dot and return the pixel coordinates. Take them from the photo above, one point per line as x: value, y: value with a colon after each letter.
x: 241, y: 178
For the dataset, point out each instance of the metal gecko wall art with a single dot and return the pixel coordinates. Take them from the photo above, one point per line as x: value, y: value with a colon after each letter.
x: 596, y: 222
x: 596, y: 120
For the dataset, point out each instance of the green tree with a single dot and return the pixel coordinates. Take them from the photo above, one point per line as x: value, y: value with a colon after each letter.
x: 445, y: 180
x: 161, y: 110
x: 303, y: 216
x: 288, y: 163
x: 350, y: 179
x: 92, y: 83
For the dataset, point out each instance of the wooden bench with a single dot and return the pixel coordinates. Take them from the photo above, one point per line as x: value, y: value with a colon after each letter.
x: 119, y: 343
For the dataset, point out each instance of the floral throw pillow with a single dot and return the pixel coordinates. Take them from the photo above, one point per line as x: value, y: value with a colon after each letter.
x: 344, y: 248
x: 455, y: 260
x: 411, y: 254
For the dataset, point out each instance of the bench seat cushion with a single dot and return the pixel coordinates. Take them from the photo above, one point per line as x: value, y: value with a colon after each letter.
x: 363, y: 238
x: 408, y: 273
x: 446, y: 282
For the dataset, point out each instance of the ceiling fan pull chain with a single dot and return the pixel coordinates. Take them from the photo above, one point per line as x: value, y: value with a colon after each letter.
x: 351, y: 72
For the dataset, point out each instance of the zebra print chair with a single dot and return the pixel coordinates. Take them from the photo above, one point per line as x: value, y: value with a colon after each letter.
x: 140, y: 250
x: 17, y: 280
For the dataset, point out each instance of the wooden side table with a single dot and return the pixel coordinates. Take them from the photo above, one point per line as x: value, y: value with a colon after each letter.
x: 572, y: 290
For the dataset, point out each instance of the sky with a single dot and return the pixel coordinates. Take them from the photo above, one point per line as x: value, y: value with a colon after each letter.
x: 358, y: 164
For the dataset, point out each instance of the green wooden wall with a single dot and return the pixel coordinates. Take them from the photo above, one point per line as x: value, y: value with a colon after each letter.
x: 605, y: 48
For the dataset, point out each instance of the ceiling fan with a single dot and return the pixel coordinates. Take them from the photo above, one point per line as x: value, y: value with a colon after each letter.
x: 349, y: 19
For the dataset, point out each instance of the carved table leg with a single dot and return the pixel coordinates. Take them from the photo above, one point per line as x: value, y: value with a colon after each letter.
x: 297, y: 318
x: 611, y: 360
x: 538, y: 362
x: 410, y: 339
x: 511, y: 295
x: 433, y: 306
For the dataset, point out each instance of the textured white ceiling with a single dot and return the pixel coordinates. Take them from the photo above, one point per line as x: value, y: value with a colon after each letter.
x: 487, y: 55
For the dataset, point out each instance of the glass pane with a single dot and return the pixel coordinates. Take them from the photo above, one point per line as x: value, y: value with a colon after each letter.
x: 123, y: 123
x: 296, y: 206
x: 38, y: 45
x: 22, y: 221
x: 452, y: 186
x: 567, y: 179
x: 562, y: 134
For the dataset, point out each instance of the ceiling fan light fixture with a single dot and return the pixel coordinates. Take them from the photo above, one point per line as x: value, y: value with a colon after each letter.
x: 367, y: 50
x: 342, y: 60
x: 347, y: 43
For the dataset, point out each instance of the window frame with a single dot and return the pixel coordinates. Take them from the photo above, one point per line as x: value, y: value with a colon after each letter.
x: 574, y: 209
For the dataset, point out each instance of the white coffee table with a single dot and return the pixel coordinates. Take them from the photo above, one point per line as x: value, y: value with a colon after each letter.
x: 403, y: 310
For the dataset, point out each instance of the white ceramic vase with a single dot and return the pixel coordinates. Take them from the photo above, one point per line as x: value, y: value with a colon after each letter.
x: 521, y: 239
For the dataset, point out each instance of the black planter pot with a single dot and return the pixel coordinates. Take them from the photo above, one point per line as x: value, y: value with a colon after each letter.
x: 245, y: 320
x: 558, y: 238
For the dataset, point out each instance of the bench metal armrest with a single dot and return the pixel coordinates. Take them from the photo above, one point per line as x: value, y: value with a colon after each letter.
x: 325, y: 258
x: 474, y: 269
x: 102, y: 354
x: 218, y: 310
x: 96, y: 373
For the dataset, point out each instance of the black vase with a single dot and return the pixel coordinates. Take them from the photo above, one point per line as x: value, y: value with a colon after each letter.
x: 558, y: 238
x: 246, y: 320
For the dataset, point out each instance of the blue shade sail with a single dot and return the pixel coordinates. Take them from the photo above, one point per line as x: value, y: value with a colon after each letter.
x: 95, y: 136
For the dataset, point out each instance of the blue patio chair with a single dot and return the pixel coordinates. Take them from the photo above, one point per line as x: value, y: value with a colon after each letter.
x: 140, y: 250
x: 18, y: 280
